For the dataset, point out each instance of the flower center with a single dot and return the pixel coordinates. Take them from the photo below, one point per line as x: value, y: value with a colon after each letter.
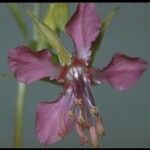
x: 83, y: 109
x: 74, y: 73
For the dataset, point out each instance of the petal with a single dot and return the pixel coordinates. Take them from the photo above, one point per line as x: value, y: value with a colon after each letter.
x: 123, y: 71
x: 83, y: 28
x: 29, y: 66
x: 52, y: 119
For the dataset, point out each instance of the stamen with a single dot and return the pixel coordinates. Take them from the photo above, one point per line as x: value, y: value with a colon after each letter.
x: 90, y: 119
x: 78, y: 101
x: 99, y: 127
x: 93, y: 136
x: 71, y: 114
x: 81, y: 119
x: 94, y: 110
x: 79, y: 115
x: 83, y: 137
x: 89, y: 101
x: 88, y: 94
x: 83, y: 123
x: 63, y: 131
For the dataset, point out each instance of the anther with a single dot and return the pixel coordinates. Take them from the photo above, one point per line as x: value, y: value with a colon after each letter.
x: 99, y: 126
x: 78, y: 101
x: 81, y: 119
x: 94, y: 110
x: 83, y: 137
x: 71, y: 114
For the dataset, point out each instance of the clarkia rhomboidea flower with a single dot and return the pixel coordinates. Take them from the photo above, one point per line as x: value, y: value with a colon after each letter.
x: 75, y: 107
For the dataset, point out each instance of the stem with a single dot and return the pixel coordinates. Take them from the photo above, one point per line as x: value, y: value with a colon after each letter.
x: 21, y: 89
x: 36, y: 13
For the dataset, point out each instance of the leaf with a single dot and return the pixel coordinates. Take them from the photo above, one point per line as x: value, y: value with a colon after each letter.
x: 96, y: 44
x: 41, y: 43
x: 60, y: 15
x: 48, y: 18
x: 54, y: 59
x: 16, y: 12
x: 57, y: 16
x: 52, y: 38
x: 32, y: 44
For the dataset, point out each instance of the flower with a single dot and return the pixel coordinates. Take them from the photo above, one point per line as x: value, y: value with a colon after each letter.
x: 76, y: 106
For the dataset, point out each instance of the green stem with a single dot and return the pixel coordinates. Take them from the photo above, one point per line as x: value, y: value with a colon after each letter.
x: 21, y: 89
x: 40, y: 40
x: 36, y: 8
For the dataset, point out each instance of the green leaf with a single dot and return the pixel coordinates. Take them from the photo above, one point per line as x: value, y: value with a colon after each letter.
x: 49, y: 19
x: 17, y: 14
x: 56, y: 16
x: 42, y: 43
x: 52, y: 38
x: 60, y: 15
x: 32, y: 44
x: 96, y: 44
x: 54, y: 58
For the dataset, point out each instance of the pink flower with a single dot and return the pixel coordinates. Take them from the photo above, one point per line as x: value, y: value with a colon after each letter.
x: 75, y: 107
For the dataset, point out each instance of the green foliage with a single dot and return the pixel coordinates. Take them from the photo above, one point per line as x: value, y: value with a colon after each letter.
x: 56, y: 16
x: 17, y: 14
x: 52, y: 38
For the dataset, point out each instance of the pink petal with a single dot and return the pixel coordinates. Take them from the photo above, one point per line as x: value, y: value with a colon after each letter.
x: 83, y: 28
x: 29, y: 66
x: 52, y: 119
x: 123, y: 71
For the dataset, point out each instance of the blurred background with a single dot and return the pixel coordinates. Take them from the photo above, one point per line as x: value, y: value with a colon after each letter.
x: 126, y: 115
